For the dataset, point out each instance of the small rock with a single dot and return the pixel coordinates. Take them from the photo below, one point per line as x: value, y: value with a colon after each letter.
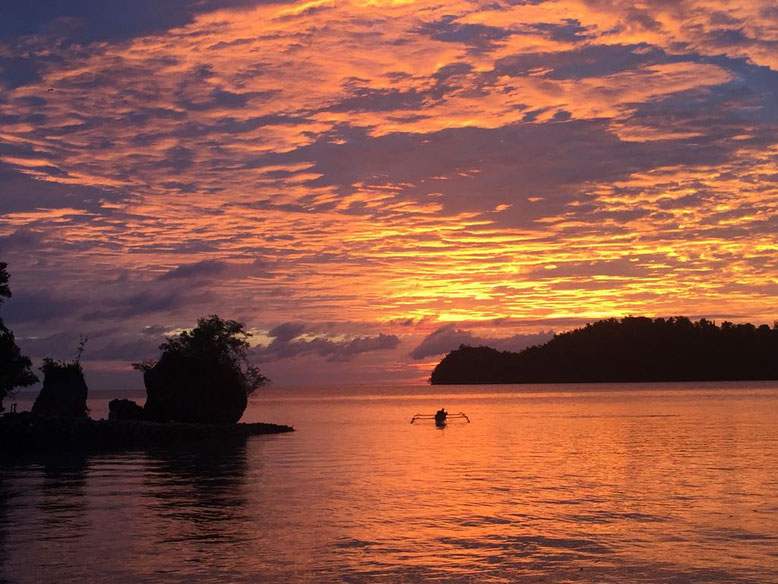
x: 125, y: 409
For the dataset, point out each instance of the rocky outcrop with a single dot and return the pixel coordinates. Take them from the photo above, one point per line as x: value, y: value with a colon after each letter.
x: 202, y: 390
x: 63, y: 394
x: 125, y: 409
x: 27, y: 433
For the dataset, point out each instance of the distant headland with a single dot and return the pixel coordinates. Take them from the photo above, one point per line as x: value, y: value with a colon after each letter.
x: 631, y: 349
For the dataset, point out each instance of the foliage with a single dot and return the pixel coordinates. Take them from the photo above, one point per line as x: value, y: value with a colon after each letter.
x: 5, y: 290
x: 629, y: 349
x: 53, y: 365
x: 144, y: 365
x: 214, y: 339
x: 15, y: 368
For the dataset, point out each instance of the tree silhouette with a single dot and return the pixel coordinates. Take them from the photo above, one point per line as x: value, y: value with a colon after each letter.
x: 203, y: 375
x: 629, y: 349
x: 224, y: 341
x: 14, y: 367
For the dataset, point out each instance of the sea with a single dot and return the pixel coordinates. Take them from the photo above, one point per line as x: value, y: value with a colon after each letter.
x: 546, y: 483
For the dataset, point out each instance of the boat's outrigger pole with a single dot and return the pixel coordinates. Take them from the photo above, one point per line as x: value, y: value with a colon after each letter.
x: 422, y: 417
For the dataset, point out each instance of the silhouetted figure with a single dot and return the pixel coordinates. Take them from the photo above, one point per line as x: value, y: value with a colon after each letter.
x: 440, y: 417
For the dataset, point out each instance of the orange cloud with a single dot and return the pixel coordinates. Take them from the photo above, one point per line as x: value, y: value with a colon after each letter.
x: 391, y: 160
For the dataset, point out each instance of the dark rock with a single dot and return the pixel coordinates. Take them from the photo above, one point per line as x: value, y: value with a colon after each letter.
x: 194, y: 390
x: 30, y: 434
x: 125, y: 409
x: 63, y: 394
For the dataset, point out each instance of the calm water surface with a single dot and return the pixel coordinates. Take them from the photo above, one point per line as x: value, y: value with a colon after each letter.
x: 640, y: 483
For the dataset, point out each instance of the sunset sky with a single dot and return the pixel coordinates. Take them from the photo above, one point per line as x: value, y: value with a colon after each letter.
x: 368, y: 184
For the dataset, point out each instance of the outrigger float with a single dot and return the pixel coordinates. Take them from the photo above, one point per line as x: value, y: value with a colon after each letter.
x: 440, y: 417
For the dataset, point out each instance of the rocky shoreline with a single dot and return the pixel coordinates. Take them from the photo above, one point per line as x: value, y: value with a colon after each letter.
x: 23, y: 432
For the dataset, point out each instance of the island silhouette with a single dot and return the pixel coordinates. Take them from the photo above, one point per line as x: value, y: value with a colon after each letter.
x: 631, y: 349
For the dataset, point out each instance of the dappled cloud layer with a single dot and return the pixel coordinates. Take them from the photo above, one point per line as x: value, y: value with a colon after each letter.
x: 363, y: 174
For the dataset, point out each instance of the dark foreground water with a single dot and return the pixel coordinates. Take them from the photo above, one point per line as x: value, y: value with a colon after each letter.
x: 641, y: 483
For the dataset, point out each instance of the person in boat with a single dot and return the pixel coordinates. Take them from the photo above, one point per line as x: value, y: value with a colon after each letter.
x: 440, y: 416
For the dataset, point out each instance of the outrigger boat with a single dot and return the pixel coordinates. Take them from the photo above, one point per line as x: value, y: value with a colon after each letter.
x: 440, y: 417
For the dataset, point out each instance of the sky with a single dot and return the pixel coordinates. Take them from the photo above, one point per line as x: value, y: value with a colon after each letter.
x: 368, y: 184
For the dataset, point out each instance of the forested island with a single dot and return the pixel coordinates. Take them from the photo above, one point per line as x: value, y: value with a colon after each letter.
x: 630, y: 349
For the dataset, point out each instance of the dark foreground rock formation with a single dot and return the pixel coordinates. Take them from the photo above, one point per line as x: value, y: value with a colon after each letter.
x: 627, y: 350
x: 24, y: 432
x: 125, y: 409
x: 204, y: 390
x: 64, y: 392
x: 203, y: 374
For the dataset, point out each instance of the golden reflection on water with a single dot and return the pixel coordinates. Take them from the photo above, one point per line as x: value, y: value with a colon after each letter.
x: 653, y: 483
